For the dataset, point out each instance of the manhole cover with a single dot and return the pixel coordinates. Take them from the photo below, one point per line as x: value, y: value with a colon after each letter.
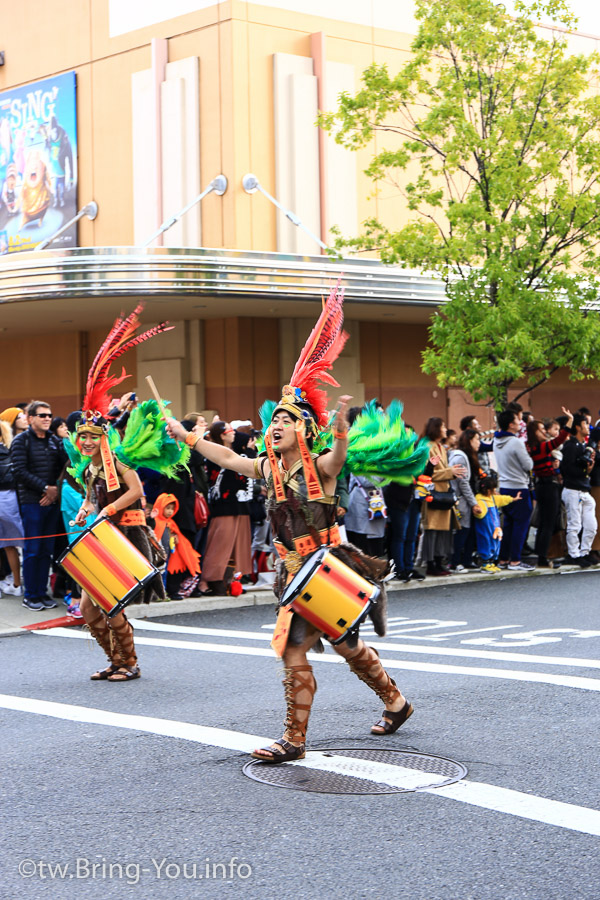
x: 364, y: 771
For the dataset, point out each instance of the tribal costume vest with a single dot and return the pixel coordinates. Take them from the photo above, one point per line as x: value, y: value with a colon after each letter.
x: 299, y: 525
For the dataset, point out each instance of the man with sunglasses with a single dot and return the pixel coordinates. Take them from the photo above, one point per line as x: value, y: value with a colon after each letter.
x: 37, y: 458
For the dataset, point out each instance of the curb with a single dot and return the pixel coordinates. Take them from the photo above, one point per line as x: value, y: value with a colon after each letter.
x: 265, y: 596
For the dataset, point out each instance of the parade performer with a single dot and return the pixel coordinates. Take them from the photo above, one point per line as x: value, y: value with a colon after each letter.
x: 301, y: 506
x: 104, y: 464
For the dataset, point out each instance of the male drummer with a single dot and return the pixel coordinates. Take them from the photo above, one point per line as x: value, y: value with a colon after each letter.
x: 301, y: 506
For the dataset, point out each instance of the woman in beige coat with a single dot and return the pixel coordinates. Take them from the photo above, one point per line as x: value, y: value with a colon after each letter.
x: 437, y: 530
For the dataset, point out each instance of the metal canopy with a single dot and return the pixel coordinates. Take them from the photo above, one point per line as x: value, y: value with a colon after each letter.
x: 164, y: 272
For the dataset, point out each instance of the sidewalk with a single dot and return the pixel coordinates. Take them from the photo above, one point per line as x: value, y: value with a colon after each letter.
x: 14, y: 616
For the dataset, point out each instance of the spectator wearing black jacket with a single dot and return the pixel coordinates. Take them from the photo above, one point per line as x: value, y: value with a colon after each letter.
x: 577, y: 463
x: 229, y: 524
x: 547, y: 487
x: 37, y: 460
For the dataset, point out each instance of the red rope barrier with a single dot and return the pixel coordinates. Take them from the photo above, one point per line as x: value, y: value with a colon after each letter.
x: 35, y: 537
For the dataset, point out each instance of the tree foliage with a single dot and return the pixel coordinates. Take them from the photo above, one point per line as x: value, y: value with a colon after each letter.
x: 496, y: 152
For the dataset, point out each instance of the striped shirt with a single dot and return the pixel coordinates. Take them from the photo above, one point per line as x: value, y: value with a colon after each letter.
x: 541, y: 454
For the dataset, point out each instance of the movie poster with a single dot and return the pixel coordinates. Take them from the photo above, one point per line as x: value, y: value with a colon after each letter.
x: 38, y: 164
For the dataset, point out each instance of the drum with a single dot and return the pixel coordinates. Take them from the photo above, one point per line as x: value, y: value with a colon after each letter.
x: 330, y: 595
x: 107, y: 566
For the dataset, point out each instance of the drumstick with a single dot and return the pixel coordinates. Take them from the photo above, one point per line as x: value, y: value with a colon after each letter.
x: 161, y: 405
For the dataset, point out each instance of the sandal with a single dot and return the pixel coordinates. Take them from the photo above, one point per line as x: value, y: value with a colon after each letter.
x: 396, y: 719
x: 124, y: 673
x: 281, y: 751
x: 104, y: 674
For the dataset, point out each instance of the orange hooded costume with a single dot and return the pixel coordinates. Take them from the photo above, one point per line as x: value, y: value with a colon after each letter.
x: 183, y: 558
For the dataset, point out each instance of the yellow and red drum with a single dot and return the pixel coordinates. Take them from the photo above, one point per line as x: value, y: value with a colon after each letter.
x: 107, y: 566
x: 330, y: 595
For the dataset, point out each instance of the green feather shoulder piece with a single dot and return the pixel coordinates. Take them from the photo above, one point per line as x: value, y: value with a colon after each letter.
x: 383, y: 449
x: 77, y: 460
x: 266, y: 414
x: 146, y: 442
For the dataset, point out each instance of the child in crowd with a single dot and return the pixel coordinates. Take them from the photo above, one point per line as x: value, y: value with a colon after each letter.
x: 487, y: 521
x: 182, y: 559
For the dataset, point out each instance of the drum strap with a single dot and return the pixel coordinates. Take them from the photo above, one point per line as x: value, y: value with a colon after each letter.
x: 132, y: 517
x: 305, y: 545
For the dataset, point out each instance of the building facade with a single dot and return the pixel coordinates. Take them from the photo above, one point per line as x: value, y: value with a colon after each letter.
x: 172, y: 98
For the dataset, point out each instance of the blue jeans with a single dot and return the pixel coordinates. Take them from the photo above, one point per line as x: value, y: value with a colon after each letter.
x: 404, y: 524
x: 38, y: 521
x: 517, y: 516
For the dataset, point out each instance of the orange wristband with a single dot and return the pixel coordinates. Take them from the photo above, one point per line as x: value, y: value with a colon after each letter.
x: 340, y: 435
x: 192, y: 439
x: 110, y: 510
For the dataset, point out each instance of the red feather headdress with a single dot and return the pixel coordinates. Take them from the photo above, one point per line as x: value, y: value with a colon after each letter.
x: 321, y: 350
x: 97, y: 400
x: 121, y: 337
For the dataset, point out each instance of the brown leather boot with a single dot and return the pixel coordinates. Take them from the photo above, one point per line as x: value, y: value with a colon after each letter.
x: 367, y: 666
x: 124, y: 656
x: 100, y: 631
x: 300, y: 684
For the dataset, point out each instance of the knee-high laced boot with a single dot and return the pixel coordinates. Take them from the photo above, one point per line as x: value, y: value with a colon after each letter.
x: 367, y: 666
x: 300, y: 687
x: 124, y: 656
x: 100, y: 631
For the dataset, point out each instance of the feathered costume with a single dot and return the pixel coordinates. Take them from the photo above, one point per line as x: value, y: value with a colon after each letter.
x: 380, y: 447
x: 303, y: 519
x: 145, y: 443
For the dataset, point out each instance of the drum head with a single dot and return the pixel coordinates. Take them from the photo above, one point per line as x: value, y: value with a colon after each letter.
x: 303, y: 575
x: 74, y: 543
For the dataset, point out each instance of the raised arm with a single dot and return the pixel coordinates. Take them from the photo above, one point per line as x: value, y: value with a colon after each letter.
x: 331, y: 464
x: 222, y: 456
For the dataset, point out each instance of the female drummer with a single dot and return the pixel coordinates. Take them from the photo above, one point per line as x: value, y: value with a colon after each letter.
x: 301, y: 507
x: 122, y: 506
x: 112, y: 487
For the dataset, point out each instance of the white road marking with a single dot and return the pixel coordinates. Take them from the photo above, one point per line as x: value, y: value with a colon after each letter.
x: 574, y: 681
x: 369, y: 770
x: 532, y: 638
x: 394, y: 631
x: 425, y: 625
x: 440, y: 637
x: 525, y: 806
x: 575, y: 662
x: 486, y: 796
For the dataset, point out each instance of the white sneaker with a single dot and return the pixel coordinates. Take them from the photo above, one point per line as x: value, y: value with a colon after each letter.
x: 12, y: 590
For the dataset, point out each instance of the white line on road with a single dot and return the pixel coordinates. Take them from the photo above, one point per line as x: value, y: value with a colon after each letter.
x: 575, y: 662
x: 485, y: 796
x: 574, y: 681
x: 447, y: 634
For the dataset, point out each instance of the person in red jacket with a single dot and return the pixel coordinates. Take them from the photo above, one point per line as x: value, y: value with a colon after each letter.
x: 547, y: 487
x: 182, y: 558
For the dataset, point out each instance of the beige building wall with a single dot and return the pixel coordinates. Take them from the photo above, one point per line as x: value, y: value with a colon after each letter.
x: 225, y: 110
x: 238, y: 93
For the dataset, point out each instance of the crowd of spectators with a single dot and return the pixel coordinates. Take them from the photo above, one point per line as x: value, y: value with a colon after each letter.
x: 480, y: 504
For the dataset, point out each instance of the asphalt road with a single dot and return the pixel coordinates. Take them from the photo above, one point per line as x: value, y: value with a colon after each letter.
x: 504, y: 677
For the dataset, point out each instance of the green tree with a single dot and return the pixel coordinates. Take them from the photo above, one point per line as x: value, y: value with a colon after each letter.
x: 498, y: 127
